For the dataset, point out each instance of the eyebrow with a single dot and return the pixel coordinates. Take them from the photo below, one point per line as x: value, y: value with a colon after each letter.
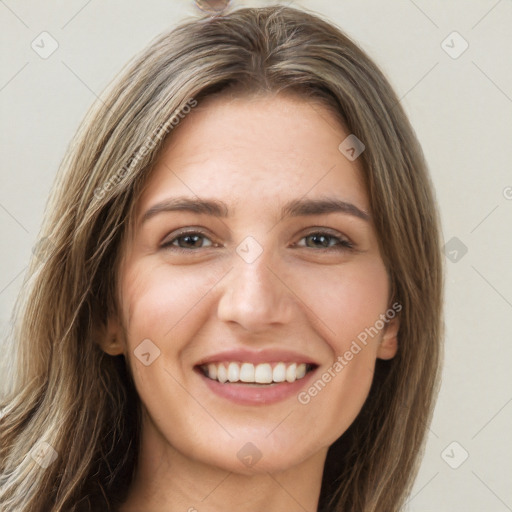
x: 294, y: 208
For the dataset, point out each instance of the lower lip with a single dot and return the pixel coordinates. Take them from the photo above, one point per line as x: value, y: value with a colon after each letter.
x: 244, y: 394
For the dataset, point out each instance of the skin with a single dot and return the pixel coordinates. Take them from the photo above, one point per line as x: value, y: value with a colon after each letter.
x: 255, y: 154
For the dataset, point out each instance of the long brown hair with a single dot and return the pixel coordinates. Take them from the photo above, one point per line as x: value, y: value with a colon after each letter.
x: 67, y: 395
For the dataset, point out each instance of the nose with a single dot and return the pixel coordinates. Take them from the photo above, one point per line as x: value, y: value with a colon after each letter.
x: 255, y: 294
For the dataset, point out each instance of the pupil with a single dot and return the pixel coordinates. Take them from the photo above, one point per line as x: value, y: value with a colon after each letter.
x: 318, y: 237
x: 189, y: 238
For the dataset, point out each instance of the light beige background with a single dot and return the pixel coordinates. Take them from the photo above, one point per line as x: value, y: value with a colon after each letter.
x: 461, y: 109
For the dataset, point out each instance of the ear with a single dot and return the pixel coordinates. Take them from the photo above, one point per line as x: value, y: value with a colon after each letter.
x: 110, y: 338
x: 389, y: 344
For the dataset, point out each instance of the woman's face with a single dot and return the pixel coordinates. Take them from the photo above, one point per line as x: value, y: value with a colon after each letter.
x: 238, y: 270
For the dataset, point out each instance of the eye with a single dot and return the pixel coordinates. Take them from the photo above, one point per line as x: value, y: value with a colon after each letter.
x: 186, y: 241
x: 324, y: 239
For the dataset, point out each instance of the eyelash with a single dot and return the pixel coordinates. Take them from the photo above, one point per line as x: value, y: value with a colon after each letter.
x: 341, y: 245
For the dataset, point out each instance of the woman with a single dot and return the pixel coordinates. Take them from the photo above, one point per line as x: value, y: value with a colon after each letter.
x: 238, y: 301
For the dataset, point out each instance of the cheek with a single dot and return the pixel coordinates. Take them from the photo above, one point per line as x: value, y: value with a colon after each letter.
x: 349, y: 305
x: 158, y: 300
x: 348, y: 301
x: 161, y: 305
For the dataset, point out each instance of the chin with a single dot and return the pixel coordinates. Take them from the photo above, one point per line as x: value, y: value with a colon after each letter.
x: 258, y: 454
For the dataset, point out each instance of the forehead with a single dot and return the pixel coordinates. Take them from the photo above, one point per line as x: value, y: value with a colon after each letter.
x: 261, y: 150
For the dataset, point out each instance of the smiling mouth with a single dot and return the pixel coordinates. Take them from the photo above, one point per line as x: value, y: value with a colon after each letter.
x: 259, y: 374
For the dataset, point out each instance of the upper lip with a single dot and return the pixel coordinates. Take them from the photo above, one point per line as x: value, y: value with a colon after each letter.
x: 255, y: 357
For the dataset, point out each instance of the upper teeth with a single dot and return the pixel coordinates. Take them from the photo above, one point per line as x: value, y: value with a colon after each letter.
x: 261, y: 373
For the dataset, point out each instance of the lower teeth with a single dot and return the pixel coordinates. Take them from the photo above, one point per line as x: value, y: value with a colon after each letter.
x: 253, y: 384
